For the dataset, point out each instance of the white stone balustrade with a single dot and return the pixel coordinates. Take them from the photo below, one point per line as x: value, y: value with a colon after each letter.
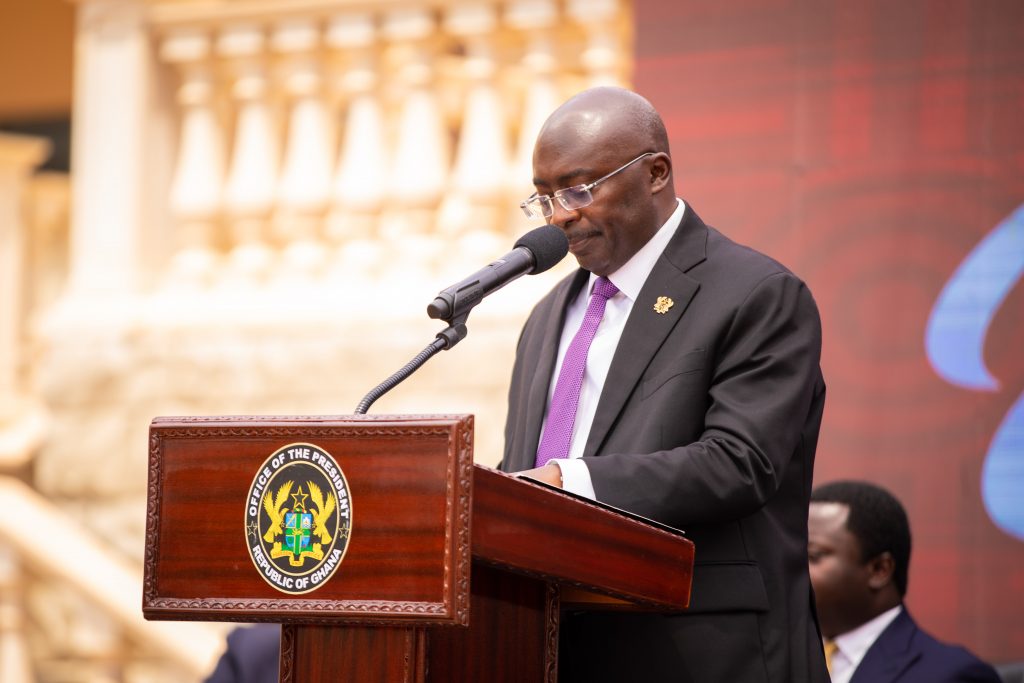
x: 472, y: 212
x: 422, y: 148
x: 304, y: 188
x: 252, y: 176
x: 406, y: 124
x: 537, y: 19
x: 196, y: 193
x: 361, y: 184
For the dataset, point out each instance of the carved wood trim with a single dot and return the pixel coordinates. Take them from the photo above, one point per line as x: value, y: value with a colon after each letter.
x: 463, y: 500
x: 153, y: 494
x: 554, y: 608
x: 286, y: 668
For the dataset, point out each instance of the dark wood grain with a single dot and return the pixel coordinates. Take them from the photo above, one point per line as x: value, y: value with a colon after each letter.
x: 526, y: 528
x: 338, y: 653
x: 508, y: 637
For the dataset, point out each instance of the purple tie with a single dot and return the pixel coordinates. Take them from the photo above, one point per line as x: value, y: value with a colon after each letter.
x: 562, y: 413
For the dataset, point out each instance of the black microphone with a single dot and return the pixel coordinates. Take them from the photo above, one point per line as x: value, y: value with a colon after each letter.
x: 535, y: 252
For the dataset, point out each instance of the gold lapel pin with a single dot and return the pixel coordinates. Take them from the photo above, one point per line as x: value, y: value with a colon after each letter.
x: 663, y: 304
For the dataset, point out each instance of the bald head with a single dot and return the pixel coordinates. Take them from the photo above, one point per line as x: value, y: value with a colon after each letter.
x: 607, y: 115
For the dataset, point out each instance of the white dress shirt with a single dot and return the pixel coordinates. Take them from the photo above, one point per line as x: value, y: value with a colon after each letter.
x: 853, y: 645
x: 630, y: 279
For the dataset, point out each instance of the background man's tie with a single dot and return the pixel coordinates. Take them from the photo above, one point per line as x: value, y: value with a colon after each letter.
x: 830, y: 649
x: 554, y: 443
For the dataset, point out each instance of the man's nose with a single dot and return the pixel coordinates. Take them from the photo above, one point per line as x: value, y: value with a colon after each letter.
x: 561, y: 216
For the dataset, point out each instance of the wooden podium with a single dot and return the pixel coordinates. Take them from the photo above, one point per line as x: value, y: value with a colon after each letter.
x: 450, y: 571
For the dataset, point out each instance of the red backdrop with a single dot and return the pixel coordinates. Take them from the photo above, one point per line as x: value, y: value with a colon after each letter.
x: 870, y: 146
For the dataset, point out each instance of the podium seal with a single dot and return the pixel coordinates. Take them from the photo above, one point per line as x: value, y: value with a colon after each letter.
x: 298, y: 518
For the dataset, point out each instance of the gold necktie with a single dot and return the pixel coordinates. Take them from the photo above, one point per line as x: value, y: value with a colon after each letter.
x: 830, y: 649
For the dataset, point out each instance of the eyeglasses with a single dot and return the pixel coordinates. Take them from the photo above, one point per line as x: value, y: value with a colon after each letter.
x: 571, y: 198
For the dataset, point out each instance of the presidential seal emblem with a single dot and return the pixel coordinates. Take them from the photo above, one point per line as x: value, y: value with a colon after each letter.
x: 298, y: 518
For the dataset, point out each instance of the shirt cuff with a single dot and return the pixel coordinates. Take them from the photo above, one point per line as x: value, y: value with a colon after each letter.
x: 576, y: 477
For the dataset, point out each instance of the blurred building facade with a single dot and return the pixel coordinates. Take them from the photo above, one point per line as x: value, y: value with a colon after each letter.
x: 263, y: 198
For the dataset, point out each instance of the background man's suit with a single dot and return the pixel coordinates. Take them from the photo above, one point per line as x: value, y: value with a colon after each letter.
x: 903, y: 653
x: 708, y: 421
x: 252, y: 655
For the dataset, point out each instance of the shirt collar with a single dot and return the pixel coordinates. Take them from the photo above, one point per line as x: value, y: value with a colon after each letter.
x: 854, y: 644
x: 630, y: 278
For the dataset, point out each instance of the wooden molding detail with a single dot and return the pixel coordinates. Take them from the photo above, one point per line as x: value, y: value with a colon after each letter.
x: 286, y: 667
x: 553, y: 608
x: 463, y: 499
x: 153, y: 496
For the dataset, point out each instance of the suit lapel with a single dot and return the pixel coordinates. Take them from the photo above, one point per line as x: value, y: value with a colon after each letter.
x: 891, y: 653
x: 545, y: 368
x: 646, y: 329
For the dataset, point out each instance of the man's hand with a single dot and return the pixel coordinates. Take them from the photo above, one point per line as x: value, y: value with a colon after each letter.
x: 549, y: 474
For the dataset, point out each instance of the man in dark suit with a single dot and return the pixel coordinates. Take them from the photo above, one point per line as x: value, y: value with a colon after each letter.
x: 859, y: 557
x: 252, y: 656
x: 697, y: 404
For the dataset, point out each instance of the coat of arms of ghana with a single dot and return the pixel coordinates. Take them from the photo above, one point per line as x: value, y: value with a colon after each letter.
x: 298, y: 525
x: 298, y: 518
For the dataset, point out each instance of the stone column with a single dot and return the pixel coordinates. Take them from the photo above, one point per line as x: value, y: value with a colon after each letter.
x: 113, y: 65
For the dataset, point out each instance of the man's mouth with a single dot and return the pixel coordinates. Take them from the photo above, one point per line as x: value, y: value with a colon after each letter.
x: 578, y: 238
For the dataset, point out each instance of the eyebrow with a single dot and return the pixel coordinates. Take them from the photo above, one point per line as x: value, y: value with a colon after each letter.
x: 564, y: 179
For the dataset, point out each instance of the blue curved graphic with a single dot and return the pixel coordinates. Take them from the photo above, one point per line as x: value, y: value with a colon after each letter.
x: 1002, y: 476
x: 955, y: 343
x: 955, y: 337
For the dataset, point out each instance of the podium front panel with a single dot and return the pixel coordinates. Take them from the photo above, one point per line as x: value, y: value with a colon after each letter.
x: 406, y: 556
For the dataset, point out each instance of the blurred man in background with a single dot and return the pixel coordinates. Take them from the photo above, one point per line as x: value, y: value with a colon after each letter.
x: 859, y: 557
x: 252, y: 655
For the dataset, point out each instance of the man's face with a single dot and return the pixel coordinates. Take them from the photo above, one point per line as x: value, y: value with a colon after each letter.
x: 838, y: 573
x: 622, y: 218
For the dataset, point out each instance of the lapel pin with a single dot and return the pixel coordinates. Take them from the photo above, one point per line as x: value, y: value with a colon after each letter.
x: 663, y: 304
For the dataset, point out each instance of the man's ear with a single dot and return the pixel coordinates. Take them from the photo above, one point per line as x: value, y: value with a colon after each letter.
x: 880, y: 570
x: 661, y: 172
